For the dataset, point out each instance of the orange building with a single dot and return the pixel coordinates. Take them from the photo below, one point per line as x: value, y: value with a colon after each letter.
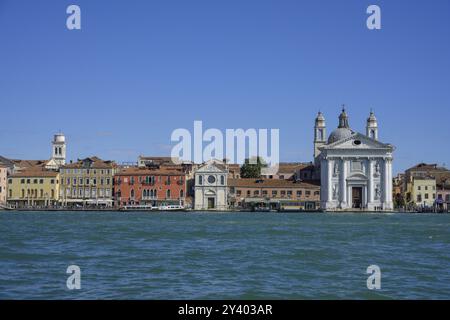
x: 144, y: 186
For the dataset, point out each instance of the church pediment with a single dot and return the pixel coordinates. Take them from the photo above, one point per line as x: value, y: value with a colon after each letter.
x: 357, y: 176
x: 210, y: 167
x: 358, y: 141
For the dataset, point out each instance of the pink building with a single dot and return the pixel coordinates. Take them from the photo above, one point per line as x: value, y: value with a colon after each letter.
x: 3, y: 183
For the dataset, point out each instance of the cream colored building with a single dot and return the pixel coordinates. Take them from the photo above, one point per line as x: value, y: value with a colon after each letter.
x: 87, y: 182
x: 423, y: 191
x: 33, y: 187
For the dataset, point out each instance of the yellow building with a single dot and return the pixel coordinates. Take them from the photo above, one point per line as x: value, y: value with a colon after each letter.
x: 87, y: 182
x: 422, y: 191
x: 33, y: 187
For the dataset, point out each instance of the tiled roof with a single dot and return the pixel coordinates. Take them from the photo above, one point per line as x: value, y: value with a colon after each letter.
x: 137, y: 171
x: 35, y: 171
x: 97, y: 163
x: 272, y: 183
x: 6, y: 162
x: 29, y: 163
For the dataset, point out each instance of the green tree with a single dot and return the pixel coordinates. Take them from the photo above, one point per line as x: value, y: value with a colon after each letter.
x: 252, y: 170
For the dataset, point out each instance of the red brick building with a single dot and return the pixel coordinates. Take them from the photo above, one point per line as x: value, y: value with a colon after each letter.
x: 144, y: 186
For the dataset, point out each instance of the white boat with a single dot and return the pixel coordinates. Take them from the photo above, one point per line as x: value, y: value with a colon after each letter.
x: 137, y: 207
x: 174, y: 207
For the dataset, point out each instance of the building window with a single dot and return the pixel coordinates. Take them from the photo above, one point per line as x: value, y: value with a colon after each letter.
x: 168, y: 194
x: 211, y: 179
x: 248, y: 193
x: 256, y: 192
x: 41, y: 181
x: 222, y: 180
x: 307, y: 193
x: 419, y: 198
x: 200, y: 180
x: 299, y: 193
x: 52, y: 181
x: 274, y: 192
x: 132, y: 194
x: 426, y: 195
x: 181, y: 193
x: 238, y: 192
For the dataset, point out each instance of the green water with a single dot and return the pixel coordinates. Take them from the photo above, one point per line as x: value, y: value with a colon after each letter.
x: 223, y: 255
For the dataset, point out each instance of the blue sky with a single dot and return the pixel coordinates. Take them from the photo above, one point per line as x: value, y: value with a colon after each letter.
x: 140, y: 69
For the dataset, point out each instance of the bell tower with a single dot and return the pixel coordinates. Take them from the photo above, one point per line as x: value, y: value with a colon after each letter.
x: 320, y: 133
x: 59, y: 149
x: 372, y: 126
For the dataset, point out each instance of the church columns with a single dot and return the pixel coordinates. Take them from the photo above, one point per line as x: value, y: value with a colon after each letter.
x: 329, y: 182
x: 387, y: 175
x: 370, y: 189
x: 343, y: 183
x: 388, y: 184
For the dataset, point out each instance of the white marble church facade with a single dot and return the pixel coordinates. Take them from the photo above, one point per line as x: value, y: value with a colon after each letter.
x: 355, y: 169
x: 211, y: 190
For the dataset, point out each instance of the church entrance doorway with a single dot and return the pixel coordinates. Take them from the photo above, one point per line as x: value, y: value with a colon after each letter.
x: 357, y: 197
x: 211, y: 203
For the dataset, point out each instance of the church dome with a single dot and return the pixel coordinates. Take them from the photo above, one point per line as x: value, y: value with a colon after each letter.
x: 343, y: 131
x: 339, y: 134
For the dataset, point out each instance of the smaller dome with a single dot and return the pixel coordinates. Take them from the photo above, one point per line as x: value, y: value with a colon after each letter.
x: 320, y: 117
x: 339, y: 134
x: 371, y: 117
x: 59, y: 138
